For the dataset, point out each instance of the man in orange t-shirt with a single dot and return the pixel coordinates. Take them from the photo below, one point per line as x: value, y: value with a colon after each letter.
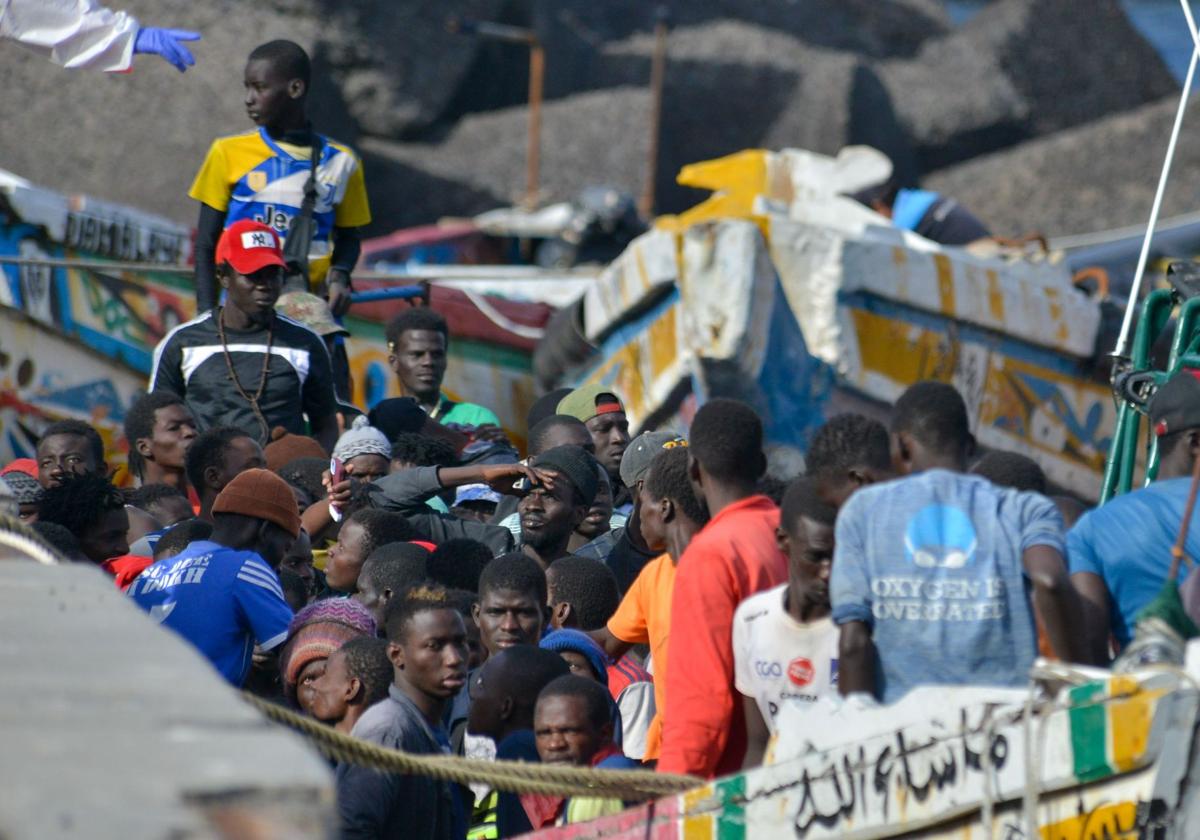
x: 670, y: 516
x: 733, y: 557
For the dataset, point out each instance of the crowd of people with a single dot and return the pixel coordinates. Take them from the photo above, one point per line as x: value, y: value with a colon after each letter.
x: 603, y: 602
x: 408, y: 577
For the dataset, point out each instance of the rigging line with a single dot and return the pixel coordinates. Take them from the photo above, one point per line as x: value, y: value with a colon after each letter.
x: 500, y: 320
x: 1143, y: 256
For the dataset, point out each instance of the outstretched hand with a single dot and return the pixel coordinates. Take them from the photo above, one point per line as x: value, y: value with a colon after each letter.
x: 504, y: 478
x: 167, y: 43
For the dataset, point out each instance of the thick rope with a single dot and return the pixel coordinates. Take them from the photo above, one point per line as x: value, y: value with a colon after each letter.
x: 508, y: 776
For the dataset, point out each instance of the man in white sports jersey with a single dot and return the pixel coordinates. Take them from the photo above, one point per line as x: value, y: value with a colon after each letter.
x: 784, y: 641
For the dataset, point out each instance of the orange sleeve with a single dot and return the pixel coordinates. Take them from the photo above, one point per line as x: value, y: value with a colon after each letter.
x: 628, y: 623
x: 700, y: 694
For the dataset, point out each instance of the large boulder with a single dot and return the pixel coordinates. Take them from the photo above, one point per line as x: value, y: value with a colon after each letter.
x: 870, y: 27
x: 397, y: 64
x: 1097, y: 176
x: 576, y: 33
x: 139, y: 138
x: 732, y: 85
x: 729, y: 86
x: 590, y: 138
x: 1021, y: 69
x: 954, y: 102
x: 1071, y: 64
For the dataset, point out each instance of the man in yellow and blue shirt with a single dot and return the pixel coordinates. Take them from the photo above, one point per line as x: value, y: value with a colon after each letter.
x: 260, y: 175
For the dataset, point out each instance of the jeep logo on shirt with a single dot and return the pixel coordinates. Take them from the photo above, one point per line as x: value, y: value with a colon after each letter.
x: 275, y: 217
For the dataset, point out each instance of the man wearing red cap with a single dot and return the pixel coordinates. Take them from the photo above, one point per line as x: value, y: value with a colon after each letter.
x: 242, y: 364
x: 223, y: 594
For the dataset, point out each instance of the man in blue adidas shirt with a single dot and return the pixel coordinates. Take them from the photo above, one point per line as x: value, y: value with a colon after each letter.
x: 223, y: 595
x: 931, y: 571
x: 1120, y: 552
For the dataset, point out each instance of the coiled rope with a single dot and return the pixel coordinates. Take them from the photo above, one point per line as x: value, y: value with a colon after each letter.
x: 508, y: 776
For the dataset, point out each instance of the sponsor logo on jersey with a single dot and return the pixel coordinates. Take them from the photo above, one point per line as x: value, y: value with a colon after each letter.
x: 800, y: 671
x: 766, y: 668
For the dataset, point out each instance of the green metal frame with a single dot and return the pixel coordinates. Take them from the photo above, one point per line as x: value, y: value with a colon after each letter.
x: 1185, y: 353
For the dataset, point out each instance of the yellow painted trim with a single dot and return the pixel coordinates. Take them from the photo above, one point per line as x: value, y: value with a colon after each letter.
x: 701, y: 826
x: 736, y: 181
x: 945, y: 278
x: 1129, y: 722
x: 1109, y: 822
x: 995, y: 296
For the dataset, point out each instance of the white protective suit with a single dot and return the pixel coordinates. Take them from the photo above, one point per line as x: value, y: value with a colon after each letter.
x: 73, y: 33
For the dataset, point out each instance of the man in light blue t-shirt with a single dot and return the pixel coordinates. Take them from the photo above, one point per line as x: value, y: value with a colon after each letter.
x: 932, y: 572
x: 1120, y: 552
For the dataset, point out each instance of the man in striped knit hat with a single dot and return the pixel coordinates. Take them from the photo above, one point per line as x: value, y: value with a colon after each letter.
x: 314, y: 634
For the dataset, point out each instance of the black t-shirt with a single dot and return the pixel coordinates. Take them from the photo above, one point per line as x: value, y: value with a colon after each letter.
x: 191, y: 362
x: 949, y: 223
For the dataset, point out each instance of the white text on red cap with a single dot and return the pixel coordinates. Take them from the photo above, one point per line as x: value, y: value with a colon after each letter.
x: 258, y: 239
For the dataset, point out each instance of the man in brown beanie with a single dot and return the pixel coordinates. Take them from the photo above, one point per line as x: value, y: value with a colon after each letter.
x: 286, y: 447
x: 223, y: 594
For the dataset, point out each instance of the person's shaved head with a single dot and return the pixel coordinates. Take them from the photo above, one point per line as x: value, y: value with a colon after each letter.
x: 848, y: 452
x: 930, y: 428
x: 504, y: 691
x: 560, y: 430
x: 288, y: 57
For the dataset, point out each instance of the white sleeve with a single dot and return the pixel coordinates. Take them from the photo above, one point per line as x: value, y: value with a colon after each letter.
x: 743, y: 679
x: 73, y: 33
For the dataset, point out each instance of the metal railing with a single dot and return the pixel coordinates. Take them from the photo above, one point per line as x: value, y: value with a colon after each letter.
x: 431, y: 273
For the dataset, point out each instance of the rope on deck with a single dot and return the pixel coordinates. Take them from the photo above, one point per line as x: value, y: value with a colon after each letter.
x: 508, y: 776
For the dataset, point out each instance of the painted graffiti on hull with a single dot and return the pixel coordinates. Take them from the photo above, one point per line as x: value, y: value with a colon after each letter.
x: 124, y: 238
x: 870, y: 782
x: 46, y: 377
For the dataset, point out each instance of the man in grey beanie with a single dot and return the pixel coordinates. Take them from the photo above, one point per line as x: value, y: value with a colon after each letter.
x: 364, y: 451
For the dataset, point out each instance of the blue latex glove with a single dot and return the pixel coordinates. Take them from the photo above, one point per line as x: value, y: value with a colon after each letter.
x: 165, y: 42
